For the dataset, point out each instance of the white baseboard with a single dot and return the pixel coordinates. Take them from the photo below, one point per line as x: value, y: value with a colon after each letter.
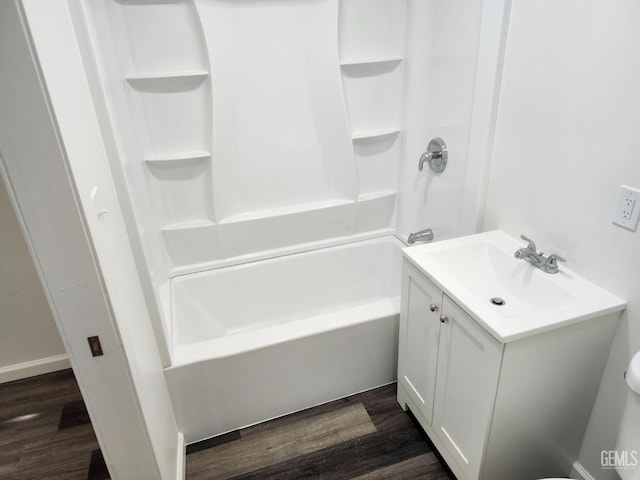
x: 182, y: 458
x: 580, y: 473
x: 33, y: 368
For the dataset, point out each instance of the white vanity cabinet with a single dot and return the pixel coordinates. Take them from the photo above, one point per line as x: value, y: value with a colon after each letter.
x: 449, y: 367
x: 419, y: 338
x: 466, y: 379
x: 496, y: 410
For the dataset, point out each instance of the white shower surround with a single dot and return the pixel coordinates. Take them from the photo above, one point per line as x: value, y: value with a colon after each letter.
x: 245, y: 130
x: 204, y: 155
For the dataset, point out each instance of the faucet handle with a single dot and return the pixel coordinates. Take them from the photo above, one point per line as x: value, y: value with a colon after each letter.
x: 532, y: 244
x: 554, y: 258
x: 550, y: 264
x: 425, y: 157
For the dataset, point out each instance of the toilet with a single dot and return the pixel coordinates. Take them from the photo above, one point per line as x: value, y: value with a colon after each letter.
x: 629, y: 434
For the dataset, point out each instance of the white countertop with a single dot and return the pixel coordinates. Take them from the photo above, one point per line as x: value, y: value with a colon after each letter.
x: 473, y: 269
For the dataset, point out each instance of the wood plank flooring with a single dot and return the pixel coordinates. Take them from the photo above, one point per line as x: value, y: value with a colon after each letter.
x: 45, y: 433
x: 375, y: 440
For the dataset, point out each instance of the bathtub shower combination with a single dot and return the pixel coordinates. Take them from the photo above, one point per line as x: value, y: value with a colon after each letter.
x: 265, y: 153
x: 280, y: 334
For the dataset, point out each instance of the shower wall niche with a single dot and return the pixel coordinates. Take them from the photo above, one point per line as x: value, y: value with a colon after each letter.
x: 253, y: 128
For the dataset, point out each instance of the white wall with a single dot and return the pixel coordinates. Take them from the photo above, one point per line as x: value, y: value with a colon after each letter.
x: 567, y: 137
x: 453, y: 57
x: 53, y: 157
x: 441, y: 50
x: 23, y: 307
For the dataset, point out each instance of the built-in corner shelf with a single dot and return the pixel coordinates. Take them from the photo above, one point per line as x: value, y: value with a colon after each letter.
x: 168, y: 75
x: 151, y: 79
x: 285, y: 211
x: 381, y: 132
x: 371, y: 196
x: 180, y: 157
x: 188, y: 225
x: 370, y: 61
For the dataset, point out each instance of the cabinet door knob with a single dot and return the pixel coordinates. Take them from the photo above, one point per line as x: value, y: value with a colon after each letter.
x: 443, y: 318
x: 433, y: 307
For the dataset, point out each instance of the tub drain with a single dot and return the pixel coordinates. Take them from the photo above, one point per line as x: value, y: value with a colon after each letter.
x: 497, y: 301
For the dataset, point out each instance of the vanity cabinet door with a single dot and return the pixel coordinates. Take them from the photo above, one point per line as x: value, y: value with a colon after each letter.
x: 419, y: 332
x: 469, y: 362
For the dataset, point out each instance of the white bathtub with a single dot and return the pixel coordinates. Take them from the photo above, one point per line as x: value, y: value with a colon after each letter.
x: 257, y: 341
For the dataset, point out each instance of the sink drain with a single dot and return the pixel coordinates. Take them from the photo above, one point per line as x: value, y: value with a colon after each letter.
x: 497, y: 301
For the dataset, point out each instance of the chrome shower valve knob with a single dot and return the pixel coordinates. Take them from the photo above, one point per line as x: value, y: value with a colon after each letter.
x: 436, y: 156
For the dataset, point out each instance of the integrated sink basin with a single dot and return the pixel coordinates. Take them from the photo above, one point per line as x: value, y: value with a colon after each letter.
x: 474, y: 269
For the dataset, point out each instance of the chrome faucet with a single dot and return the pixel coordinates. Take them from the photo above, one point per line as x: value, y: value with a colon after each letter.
x: 537, y: 259
x: 425, y: 235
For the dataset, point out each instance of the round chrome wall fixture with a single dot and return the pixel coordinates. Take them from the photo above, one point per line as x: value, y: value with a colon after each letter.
x: 497, y: 301
x: 436, y: 156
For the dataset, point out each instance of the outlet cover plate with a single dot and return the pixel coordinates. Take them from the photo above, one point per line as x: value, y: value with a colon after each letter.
x: 627, y: 211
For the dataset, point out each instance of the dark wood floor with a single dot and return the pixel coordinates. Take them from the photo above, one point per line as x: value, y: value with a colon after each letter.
x: 364, y: 437
x: 45, y: 433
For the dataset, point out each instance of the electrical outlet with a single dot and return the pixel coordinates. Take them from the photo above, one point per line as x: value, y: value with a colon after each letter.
x: 627, y: 207
x: 627, y: 210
